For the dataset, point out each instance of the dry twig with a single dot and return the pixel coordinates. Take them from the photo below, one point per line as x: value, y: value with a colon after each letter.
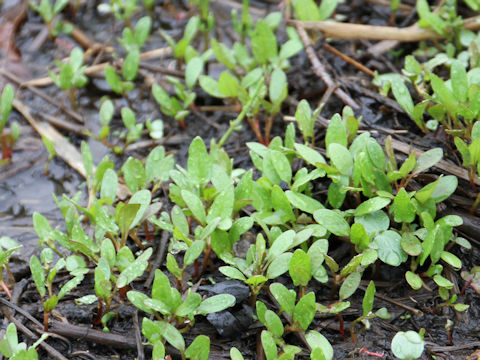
x: 320, y: 70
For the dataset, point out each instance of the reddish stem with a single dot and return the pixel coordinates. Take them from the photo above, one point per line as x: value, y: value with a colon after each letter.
x: 342, y: 329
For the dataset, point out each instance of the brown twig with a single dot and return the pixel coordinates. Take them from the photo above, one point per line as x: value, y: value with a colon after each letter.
x: 413, y: 33
x: 320, y: 70
x: 348, y: 59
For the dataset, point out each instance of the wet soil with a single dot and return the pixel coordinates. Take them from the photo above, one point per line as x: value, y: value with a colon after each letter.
x: 25, y: 188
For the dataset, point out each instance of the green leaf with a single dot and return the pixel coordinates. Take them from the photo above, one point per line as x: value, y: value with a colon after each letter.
x: 109, y: 186
x: 336, y: 133
x: 402, y: 95
x: 350, y: 285
x: 173, y: 267
x: 443, y: 94
x: 195, y: 205
x: 193, y: 70
x: 134, y: 174
x: 305, y: 310
x: 38, y: 275
x: 281, y: 165
x: 308, y: 154
x: 210, y: 85
x: 193, y: 252
x: 410, y: 244
x: 304, y: 119
x: 130, y: 65
x: 269, y: 346
x: 215, y: 304
x: 199, y: 163
x: 172, y: 335
x: 126, y: 215
x: 280, y: 245
x: 390, y: 251
x: 235, y: 354
x: 135, y: 269
x: 451, y: 259
x: 368, y: 298
x: 318, y: 341
x: 428, y: 159
x: 371, y: 205
x: 228, y: 85
x: 232, y: 273
x: 223, y: 54
x: 300, y: 268
x: 279, y: 265
x: 458, y: 76
x: 199, y: 349
x: 189, y: 305
x: 307, y: 10
x: 341, y: 158
x: 284, y: 297
x: 277, y: 87
x: 408, y: 345
x: 403, y: 209
x: 281, y: 204
x: 413, y: 280
x: 273, y: 323
x: 138, y: 298
x: 264, y: 43
x: 332, y: 221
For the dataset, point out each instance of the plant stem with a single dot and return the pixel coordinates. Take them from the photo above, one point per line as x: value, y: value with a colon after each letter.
x: 248, y: 106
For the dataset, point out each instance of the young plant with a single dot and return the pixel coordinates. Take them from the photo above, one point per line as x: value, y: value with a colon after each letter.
x: 7, y: 140
x: 50, y: 150
x: 71, y: 75
x: 44, y: 273
x: 13, y: 350
x: 299, y: 315
x: 49, y: 14
x: 123, y: 10
x: 114, y: 272
x: 238, y: 83
x: 168, y: 305
x: 7, y: 247
x: 159, y: 332
x: 367, y: 315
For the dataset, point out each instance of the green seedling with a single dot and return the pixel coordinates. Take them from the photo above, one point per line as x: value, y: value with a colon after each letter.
x: 134, y: 40
x: 71, y: 75
x: 7, y: 247
x: 13, y: 350
x: 368, y: 313
x: 308, y: 10
x: 122, y: 10
x: 299, y: 315
x: 207, y: 19
x: 182, y: 50
x: 49, y: 14
x: 114, y: 272
x: 168, y: 305
x: 238, y: 84
x: 7, y: 140
x: 160, y: 332
x: 262, y: 263
x: 472, y: 278
x: 50, y: 150
x: 44, y: 273
x: 408, y: 345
